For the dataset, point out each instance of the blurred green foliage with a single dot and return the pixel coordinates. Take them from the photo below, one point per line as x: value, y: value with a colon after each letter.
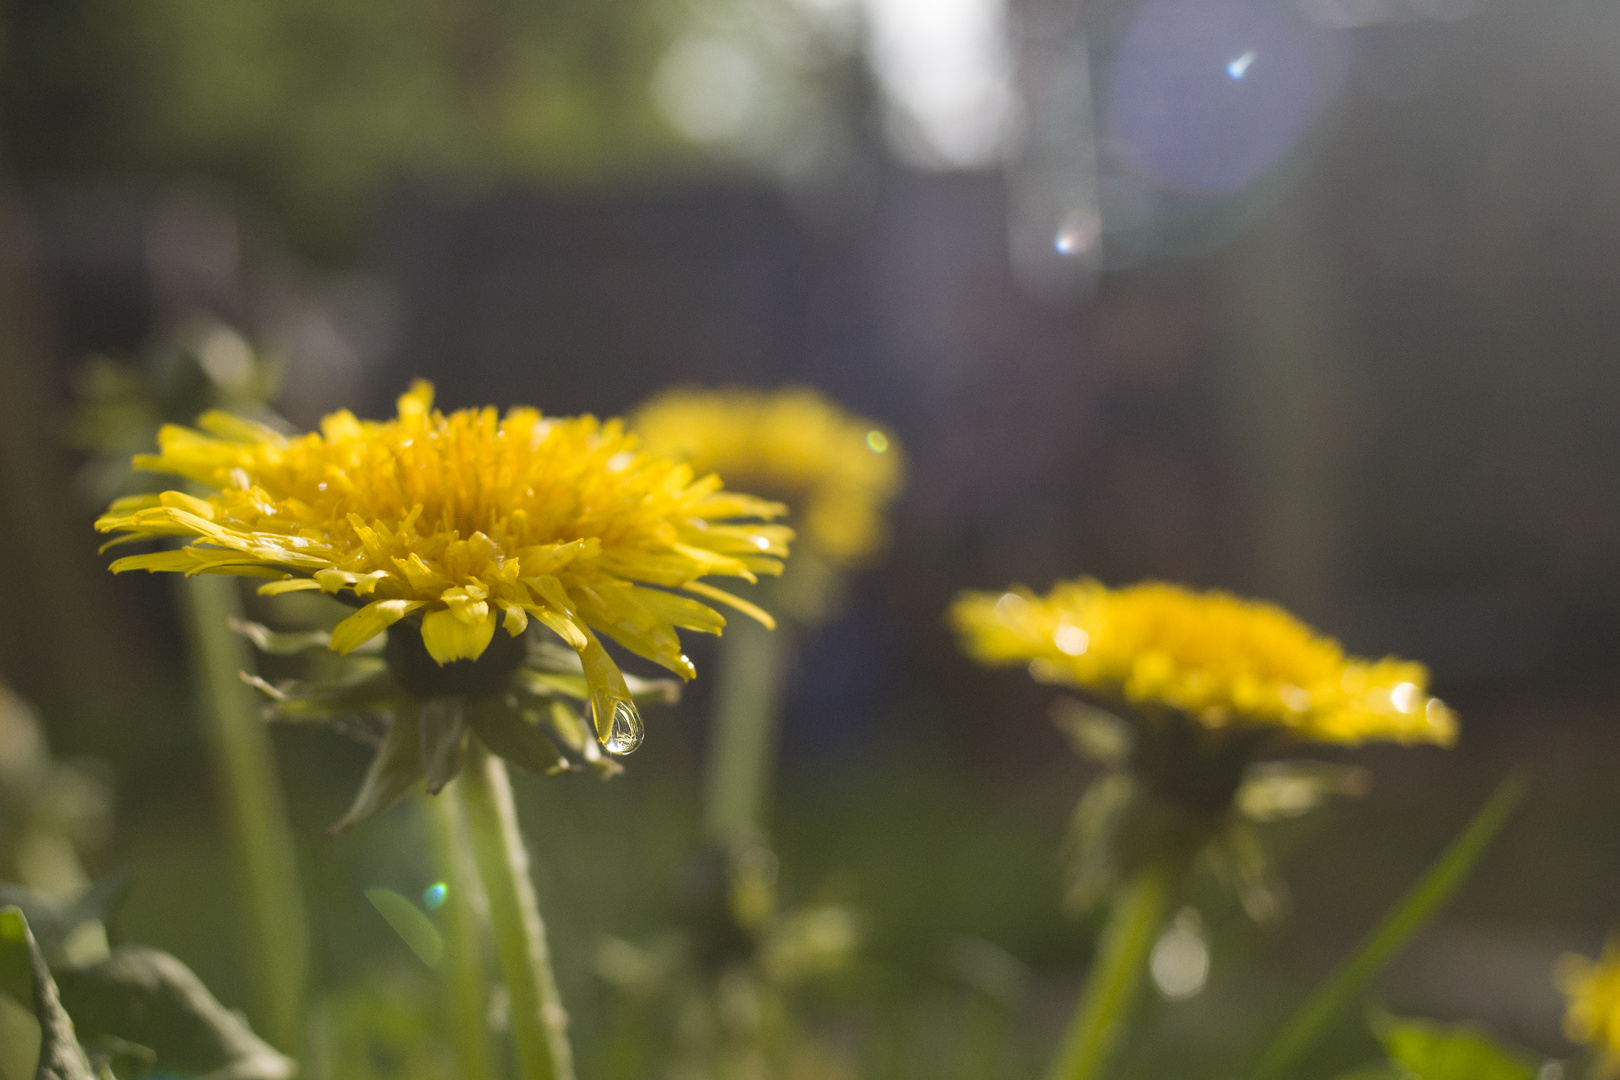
x: 311, y: 106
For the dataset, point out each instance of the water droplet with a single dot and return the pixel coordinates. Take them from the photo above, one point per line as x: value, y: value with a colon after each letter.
x: 876, y: 441
x: 434, y: 896
x: 625, y: 734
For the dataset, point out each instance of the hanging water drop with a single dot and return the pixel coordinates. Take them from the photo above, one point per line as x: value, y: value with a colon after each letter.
x: 626, y: 732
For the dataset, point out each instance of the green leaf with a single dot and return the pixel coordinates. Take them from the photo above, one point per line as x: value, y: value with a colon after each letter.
x: 150, y: 999
x: 394, y: 771
x: 1409, y: 915
x: 444, y: 735
x: 24, y: 975
x: 411, y: 924
x: 1372, y: 1072
x: 1430, y: 1051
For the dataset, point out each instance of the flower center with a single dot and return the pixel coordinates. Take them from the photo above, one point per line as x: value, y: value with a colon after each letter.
x: 423, y: 677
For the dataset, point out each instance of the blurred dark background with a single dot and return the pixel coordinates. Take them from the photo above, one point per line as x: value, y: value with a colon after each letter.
x: 1309, y: 299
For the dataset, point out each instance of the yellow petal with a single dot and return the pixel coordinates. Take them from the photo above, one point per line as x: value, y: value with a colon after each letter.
x: 753, y: 611
x: 370, y: 621
x: 297, y: 584
x: 448, y: 638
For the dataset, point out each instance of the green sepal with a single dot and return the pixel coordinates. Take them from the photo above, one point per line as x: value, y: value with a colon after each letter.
x: 25, y: 976
x: 281, y: 643
x: 508, y: 735
x: 143, y: 998
x: 394, y: 771
x: 1090, y: 850
x: 365, y: 689
x: 551, y: 669
x: 1275, y: 790
x: 444, y: 738
x: 1093, y: 732
x: 576, y: 740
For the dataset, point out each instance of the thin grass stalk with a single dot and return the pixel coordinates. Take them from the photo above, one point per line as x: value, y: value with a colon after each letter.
x: 244, y: 766
x: 539, y: 1023
x: 747, y: 722
x: 1407, y: 917
x: 462, y: 917
x: 1139, y: 911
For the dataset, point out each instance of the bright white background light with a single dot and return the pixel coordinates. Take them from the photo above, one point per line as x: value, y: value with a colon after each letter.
x: 947, y: 69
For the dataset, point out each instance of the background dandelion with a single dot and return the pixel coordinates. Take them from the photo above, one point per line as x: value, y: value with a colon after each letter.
x: 1312, y: 305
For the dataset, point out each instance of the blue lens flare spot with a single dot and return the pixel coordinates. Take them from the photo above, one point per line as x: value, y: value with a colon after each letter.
x: 1239, y: 67
x: 434, y: 896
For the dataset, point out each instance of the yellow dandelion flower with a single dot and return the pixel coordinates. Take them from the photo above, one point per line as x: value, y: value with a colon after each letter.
x: 1593, y: 990
x: 1220, y: 660
x: 460, y: 521
x: 838, y: 471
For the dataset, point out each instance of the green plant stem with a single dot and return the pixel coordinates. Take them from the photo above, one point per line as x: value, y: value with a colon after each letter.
x: 463, y: 973
x: 742, y: 749
x: 539, y: 1023
x: 1139, y: 911
x: 244, y: 765
x: 1416, y: 908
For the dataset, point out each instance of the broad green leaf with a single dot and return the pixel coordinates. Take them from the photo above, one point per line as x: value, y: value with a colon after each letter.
x: 411, y: 924
x: 394, y: 771
x: 24, y: 975
x: 1430, y: 1051
x: 148, y: 998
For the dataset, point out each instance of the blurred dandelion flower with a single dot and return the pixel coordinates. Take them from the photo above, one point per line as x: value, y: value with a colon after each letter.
x: 456, y: 522
x: 838, y: 471
x: 1593, y: 990
x: 1221, y: 661
x: 1187, y: 691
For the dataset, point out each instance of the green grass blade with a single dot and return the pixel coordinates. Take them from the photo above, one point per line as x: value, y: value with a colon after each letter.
x: 1413, y: 910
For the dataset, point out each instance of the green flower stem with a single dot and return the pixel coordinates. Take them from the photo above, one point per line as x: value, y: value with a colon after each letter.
x: 462, y: 922
x: 742, y: 751
x: 539, y: 1023
x: 244, y: 765
x: 1139, y: 911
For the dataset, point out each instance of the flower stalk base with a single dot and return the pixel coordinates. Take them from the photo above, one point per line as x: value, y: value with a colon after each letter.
x: 539, y: 1024
x: 463, y: 974
x: 1139, y: 911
